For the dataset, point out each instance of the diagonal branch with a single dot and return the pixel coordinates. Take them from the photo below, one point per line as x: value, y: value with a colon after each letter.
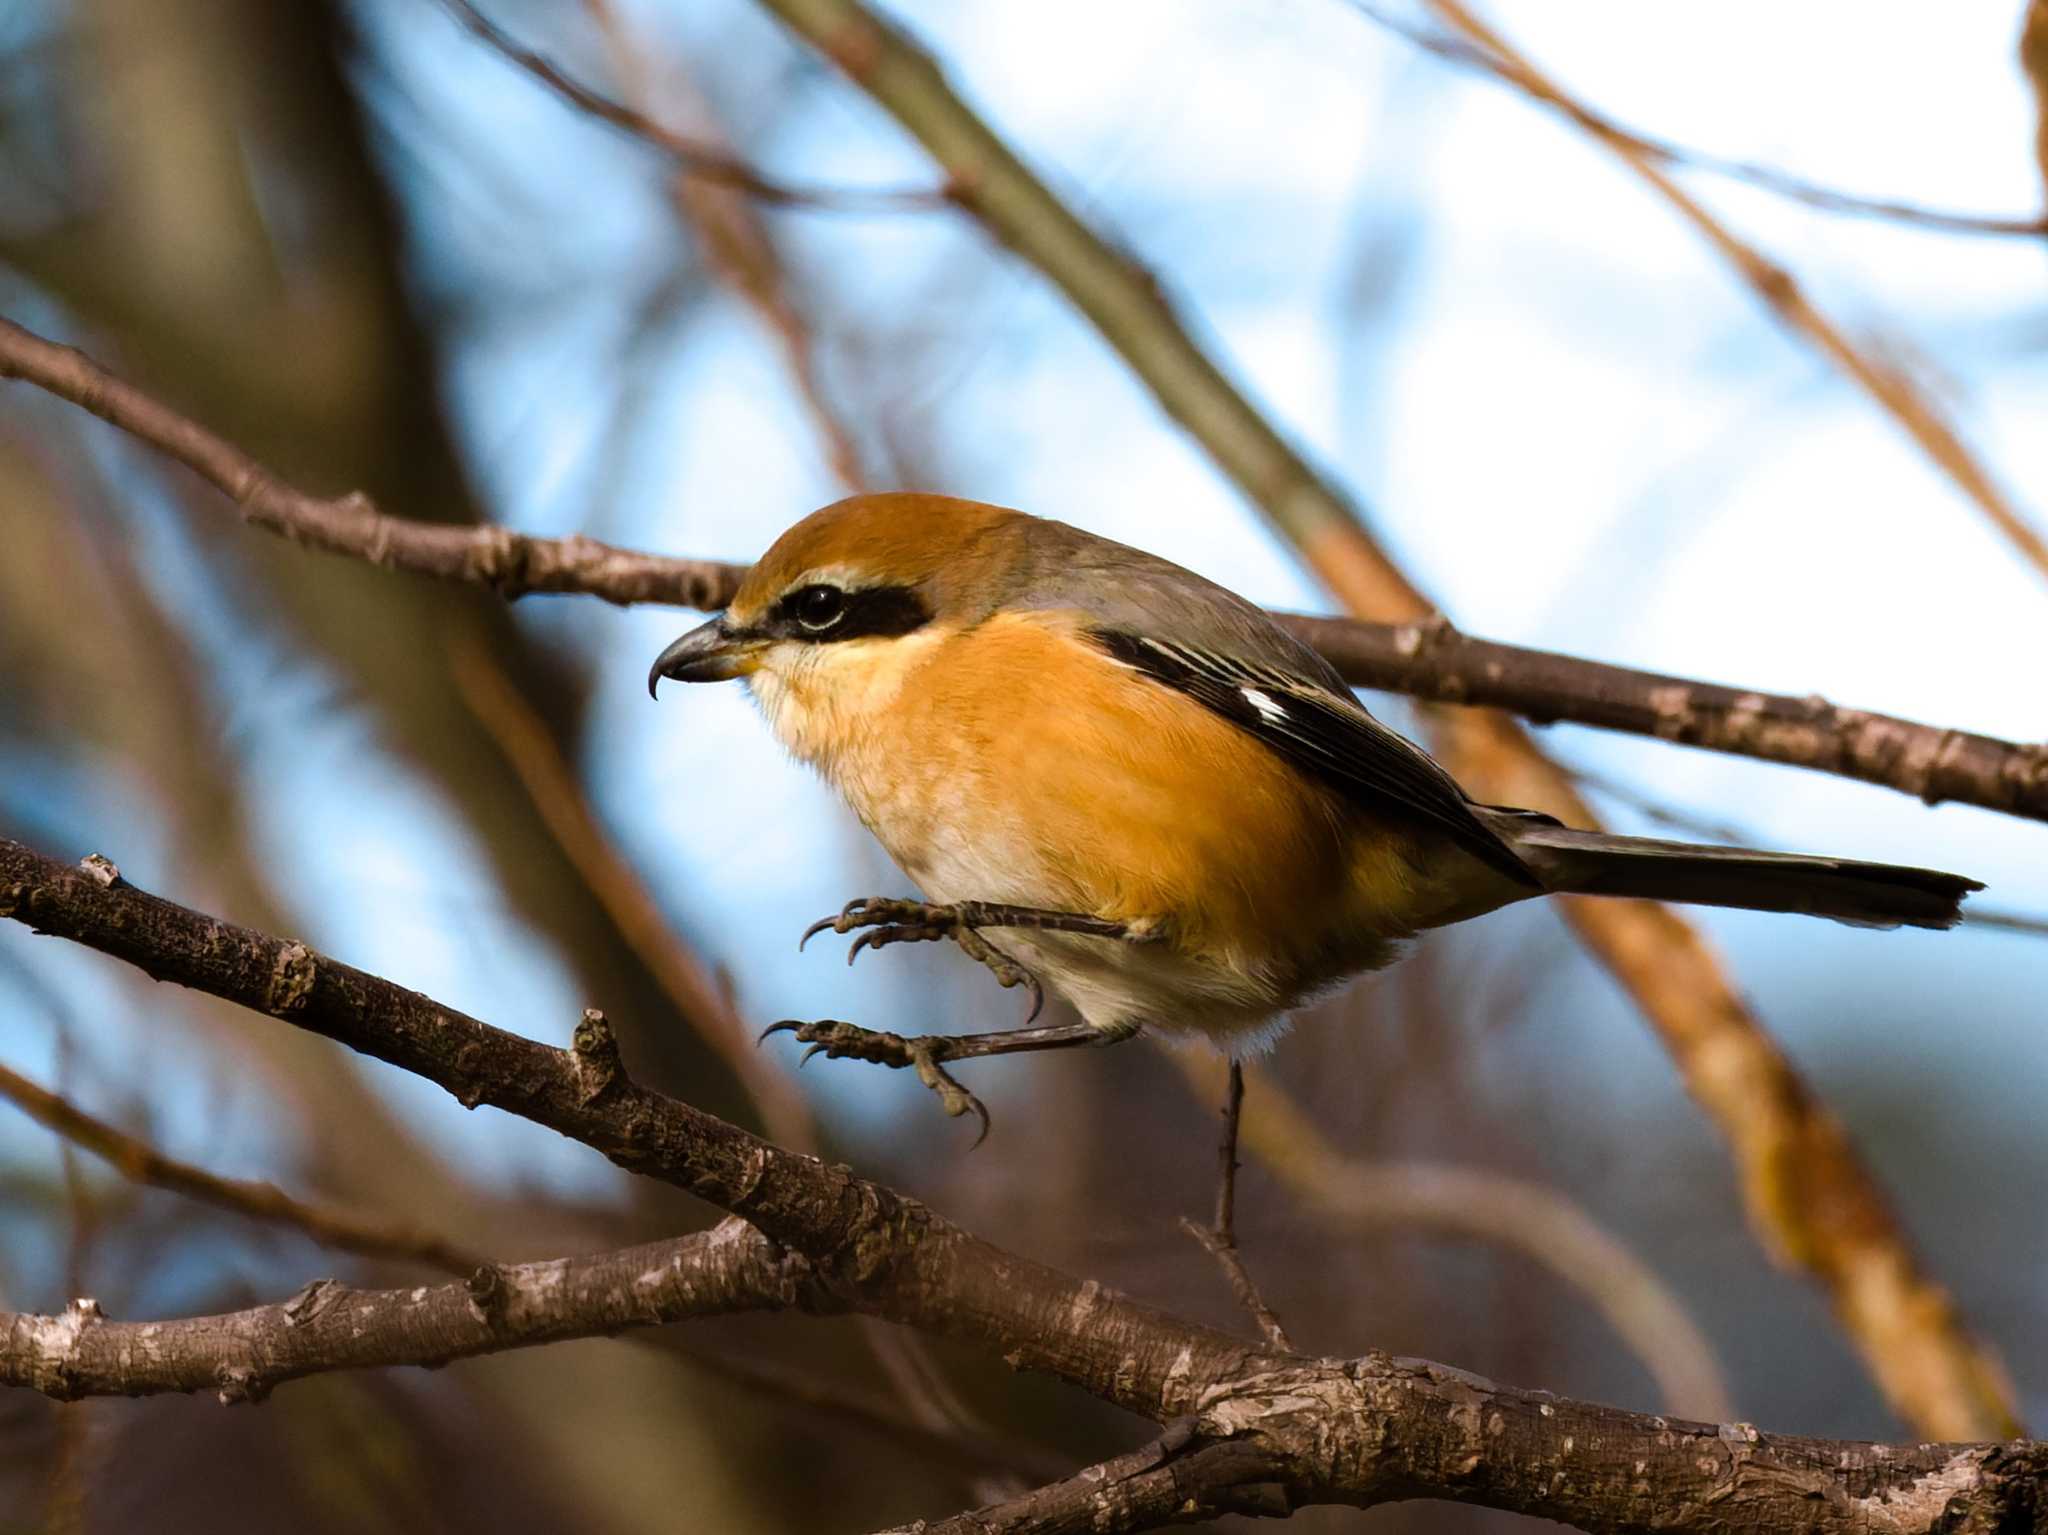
x: 1886, y: 383
x: 1766, y: 178
x: 1426, y: 658
x: 139, y: 1162
x: 702, y: 159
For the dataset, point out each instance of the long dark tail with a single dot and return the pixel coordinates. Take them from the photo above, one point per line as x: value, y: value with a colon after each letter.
x: 1864, y: 894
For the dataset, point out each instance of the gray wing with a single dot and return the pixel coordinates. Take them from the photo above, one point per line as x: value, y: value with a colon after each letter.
x: 1192, y: 635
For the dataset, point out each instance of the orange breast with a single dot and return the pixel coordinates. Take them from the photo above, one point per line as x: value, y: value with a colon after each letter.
x: 1104, y: 792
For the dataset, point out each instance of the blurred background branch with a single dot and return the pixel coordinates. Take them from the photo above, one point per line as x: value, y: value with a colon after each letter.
x: 1885, y: 380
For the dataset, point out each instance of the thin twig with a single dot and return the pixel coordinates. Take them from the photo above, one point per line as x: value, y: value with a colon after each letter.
x: 1884, y: 381
x: 140, y: 1162
x: 1220, y: 1237
x: 1477, y: 1205
x: 709, y: 162
x: 1767, y: 178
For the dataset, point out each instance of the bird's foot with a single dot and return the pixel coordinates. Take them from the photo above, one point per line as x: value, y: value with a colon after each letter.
x: 883, y: 921
x: 922, y: 1053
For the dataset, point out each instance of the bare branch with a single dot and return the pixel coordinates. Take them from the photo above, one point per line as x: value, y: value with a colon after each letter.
x: 1176, y: 1479
x: 1888, y: 385
x: 915, y: 1267
x: 509, y: 563
x: 243, y: 1355
x: 1426, y: 658
x: 140, y: 1162
x: 1433, y: 660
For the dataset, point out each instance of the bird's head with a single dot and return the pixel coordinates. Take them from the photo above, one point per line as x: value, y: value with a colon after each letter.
x: 845, y: 590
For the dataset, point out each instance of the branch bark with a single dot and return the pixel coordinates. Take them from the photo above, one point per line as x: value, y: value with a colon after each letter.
x: 1426, y: 658
x: 1250, y: 1429
x: 244, y: 1355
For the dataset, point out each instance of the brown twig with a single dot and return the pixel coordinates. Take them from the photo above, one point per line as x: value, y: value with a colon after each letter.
x: 1292, y: 1431
x: 140, y: 1162
x: 705, y: 161
x: 1356, y: 1196
x: 1767, y: 178
x: 1808, y: 1194
x: 1885, y: 382
x: 1220, y: 1236
x: 1425, y: 657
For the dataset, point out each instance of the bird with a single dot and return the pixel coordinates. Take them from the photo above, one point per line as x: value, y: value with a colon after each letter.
x: 1157, y: 800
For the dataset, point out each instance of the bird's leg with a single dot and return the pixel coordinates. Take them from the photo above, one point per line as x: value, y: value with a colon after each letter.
x: 1221, y: 1237
x: 884, y: 921
x: 927, y: 1053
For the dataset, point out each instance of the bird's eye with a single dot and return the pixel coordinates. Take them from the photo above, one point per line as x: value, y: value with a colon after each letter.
x: 818, y: 607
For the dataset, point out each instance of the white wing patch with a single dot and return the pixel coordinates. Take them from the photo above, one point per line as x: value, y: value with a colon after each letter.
x: 1272, y: 711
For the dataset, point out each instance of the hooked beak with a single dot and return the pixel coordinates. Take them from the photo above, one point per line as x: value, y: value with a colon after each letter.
x: 708, y: 653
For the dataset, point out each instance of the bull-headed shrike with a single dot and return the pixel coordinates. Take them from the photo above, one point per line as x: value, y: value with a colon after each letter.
x: 1171, y: 810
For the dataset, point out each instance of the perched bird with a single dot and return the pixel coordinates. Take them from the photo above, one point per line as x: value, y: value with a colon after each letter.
x: 1170, y: 809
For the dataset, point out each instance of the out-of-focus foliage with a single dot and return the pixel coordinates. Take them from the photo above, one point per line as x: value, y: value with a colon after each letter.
x: 372, y: 252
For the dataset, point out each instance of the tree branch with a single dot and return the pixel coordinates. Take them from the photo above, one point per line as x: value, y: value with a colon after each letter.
x: 1268, y: 1430
x: 915, y: 1267
x: 1431, y: 659
x: 243, y: 1355
x: 1436, y: 661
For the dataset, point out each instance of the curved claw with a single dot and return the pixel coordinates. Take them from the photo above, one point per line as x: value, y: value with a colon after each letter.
x: 837, y: 922
x: 805, y: 1059
x: 790, y: 1025
x: 1037, y: 1005
x: 974, y: 1103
